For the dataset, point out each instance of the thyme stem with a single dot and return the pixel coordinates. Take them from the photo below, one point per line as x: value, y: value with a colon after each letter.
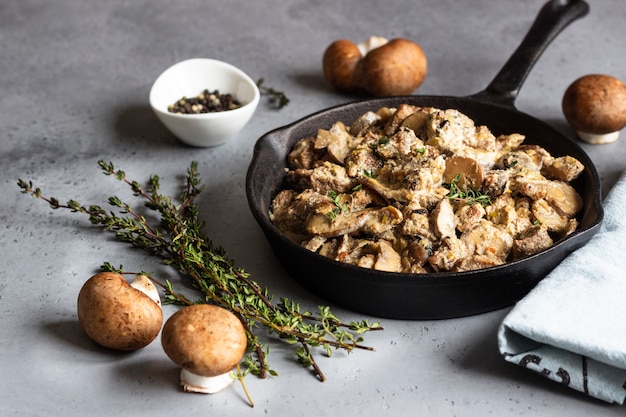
x: 277, y: 98
x: 178, y: 240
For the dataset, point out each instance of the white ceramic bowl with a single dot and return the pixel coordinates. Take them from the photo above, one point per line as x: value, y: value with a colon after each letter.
x: 188, y: 79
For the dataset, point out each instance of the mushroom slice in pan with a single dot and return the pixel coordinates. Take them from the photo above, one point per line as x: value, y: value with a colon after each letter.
x: 467, y: 215
x: 402, y: 112
x: 532, y: 185
x: 387, y: 259
x: 362, y: 159
x: 367, y: 221
x: 477, y: 262
x: 444, y: 219
x: 532, y: 240
x: 302, y: 155
x: 549, y: 216
x: 322, y: 179
x: 364, y: 122
x: 486, y: 238
x: 564, y: 168
x: 415, y: 121
x: 465, y: 172
x: 379, y: 255
x: 564, y: 198
x: 449, y: 252
x: 336, y: 141
x: 395, y: 194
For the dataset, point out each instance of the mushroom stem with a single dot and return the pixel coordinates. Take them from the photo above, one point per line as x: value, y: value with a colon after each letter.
x: 371, y: 43
x: 598, y: 138
x: 204, y: 384
x: 143, y: 284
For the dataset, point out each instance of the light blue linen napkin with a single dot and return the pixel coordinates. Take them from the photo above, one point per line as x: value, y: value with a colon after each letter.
x: 571, y: 327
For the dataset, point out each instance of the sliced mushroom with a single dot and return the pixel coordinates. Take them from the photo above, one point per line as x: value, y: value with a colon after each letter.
x: 532, y: 185
x: 443, y: 219
x: 416, y: 121
x: 466, y: 173
x: 496, y: 182
x: 449, y: 252
x: 399, y: 116
x: 519, y: 161
x: 335, y: 140
x: 564, y: 198
x: 474, y: 262
x: 302, y: 154
x: 363, y: 122
x: 486, y: 238
x: 322, y: 179
x: 416, y: 223
x: 315, y: 243
x: 564, y: 168
x: 388, y: 193
x: 368, y: 221
x: 387, y: 258
x: 549, y: 217
x: 511, y: 213
x: 531, y: 241
x: 362, y: 160
x: 468, y: 215
x: 416, y: 254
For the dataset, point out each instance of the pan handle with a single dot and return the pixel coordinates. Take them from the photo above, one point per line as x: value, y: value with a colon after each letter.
x: 553, y: 17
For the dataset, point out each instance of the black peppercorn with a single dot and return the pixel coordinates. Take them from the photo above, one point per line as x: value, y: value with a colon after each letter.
x: 205, y: 102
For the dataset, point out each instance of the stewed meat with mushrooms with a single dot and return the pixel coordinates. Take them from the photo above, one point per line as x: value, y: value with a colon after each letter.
x: 419, y: 189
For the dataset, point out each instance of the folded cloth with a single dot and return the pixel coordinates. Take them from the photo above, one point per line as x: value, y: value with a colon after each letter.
x: 571, y: 327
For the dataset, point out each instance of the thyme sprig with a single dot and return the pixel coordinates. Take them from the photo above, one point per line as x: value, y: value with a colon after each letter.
x: 469, y: 196
x: 277, y: 98
x: 177, y: 238
x: 339, y: 206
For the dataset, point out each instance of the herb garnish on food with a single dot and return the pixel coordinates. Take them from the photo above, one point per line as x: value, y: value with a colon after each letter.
x: 469, y: 196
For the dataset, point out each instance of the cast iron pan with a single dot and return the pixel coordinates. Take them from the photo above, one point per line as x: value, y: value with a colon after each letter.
x: 435, y: 295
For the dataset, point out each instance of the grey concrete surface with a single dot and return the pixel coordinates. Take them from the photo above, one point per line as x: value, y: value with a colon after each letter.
x: 74, y: 83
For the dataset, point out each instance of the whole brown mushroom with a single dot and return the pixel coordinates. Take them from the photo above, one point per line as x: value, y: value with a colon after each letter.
x: 595, y: 105
x: 208, y: 342
x: 377, y: 66
x: 119, y: 315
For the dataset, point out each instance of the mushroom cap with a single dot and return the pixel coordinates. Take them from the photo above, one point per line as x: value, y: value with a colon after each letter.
x: 339, y: 62
x: 116, y: 315
x: 595, y: 103
x: 397, y: 68
x: 204, y: 339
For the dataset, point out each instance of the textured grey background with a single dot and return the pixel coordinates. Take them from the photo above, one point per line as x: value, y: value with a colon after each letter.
x: 74, y: 82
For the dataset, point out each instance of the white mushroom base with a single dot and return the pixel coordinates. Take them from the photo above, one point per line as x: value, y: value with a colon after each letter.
x: 204, y: 384
x: 598, y: 139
